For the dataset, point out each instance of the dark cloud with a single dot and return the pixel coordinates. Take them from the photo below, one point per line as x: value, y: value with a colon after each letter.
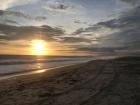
x: 79, y: 31
x: 133, y: 2
x: 7, y: 21
x: 1, y: 12
x: 79, y: 22
x: 14, y: 33
x: 40, y: 18
x: 9, y: 32
x: 59, y: 6
x: 92, y: 28
x: 104, y: 49
x: 128, y: 20
x: 14, y: 13
x: 110, y: 51
x: 128, y: 26
x: 75, y: 40
x: 62, y: 6
x: 21, y: 15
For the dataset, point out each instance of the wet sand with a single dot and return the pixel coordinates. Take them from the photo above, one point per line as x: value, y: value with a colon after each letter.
x: 100, y: 82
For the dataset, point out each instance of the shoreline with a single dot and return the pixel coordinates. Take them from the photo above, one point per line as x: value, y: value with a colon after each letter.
x: 99, y: 82
x: 31, y: 72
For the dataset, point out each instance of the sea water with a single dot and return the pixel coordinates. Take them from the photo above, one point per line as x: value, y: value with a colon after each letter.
x: 20, y: 63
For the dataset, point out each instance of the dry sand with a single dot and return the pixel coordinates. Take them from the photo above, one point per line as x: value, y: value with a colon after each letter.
x: 100, y: 82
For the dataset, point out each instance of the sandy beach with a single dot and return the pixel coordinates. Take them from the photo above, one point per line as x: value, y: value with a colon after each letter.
x: 99, y: 82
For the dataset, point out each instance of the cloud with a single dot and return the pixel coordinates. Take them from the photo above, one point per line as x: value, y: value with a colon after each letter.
x: 101, y: 50
x: 13, y: 44
x: 80, y: 22
x: 110, y: 51
x: 75, y: 40
x: 58, y: 6
x: 40, y: 18
x: 121, y: 35
x: 5, y: 4
x: 16, y: 33
x: 128, y: 20
x: 9, y: 32
x: 61, y: 6
x: 133, y: 2
x: 20, y: 15
x: 14, y: 13
x: 7, y: 21
x: 117, y: 35
x: 55, y: 5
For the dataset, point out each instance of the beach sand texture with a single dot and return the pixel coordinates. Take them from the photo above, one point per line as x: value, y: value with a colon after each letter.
x: 99, y: 82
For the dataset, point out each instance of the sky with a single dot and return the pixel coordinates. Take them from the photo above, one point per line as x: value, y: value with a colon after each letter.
x: 70, y: 27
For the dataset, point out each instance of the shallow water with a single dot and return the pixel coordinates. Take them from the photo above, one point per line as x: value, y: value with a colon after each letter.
x: 20, y: 64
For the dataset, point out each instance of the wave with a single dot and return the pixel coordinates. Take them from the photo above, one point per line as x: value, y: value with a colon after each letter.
x: 34, y: 61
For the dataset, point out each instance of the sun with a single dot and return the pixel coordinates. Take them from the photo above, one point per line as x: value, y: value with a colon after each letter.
x: 39, y: 47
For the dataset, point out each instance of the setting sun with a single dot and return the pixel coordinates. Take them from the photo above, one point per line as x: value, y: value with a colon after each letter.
x: 39, y: 47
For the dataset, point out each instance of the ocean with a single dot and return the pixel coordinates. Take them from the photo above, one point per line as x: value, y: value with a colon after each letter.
x: 10, y: 64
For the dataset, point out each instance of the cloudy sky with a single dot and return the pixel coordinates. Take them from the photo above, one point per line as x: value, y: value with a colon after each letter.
x: 71, y: 27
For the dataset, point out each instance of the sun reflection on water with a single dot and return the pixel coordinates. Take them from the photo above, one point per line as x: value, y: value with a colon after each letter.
x: 39, y: 66
x: 40, y: 71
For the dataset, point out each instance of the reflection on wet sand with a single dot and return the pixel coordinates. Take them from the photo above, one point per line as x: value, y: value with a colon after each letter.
x: 40, y: 71
x: 39, y: 66
x: 31, y: 72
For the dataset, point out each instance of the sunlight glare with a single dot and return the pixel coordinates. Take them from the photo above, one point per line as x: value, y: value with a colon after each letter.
x: 39, y: 47
x: 40, y: 71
